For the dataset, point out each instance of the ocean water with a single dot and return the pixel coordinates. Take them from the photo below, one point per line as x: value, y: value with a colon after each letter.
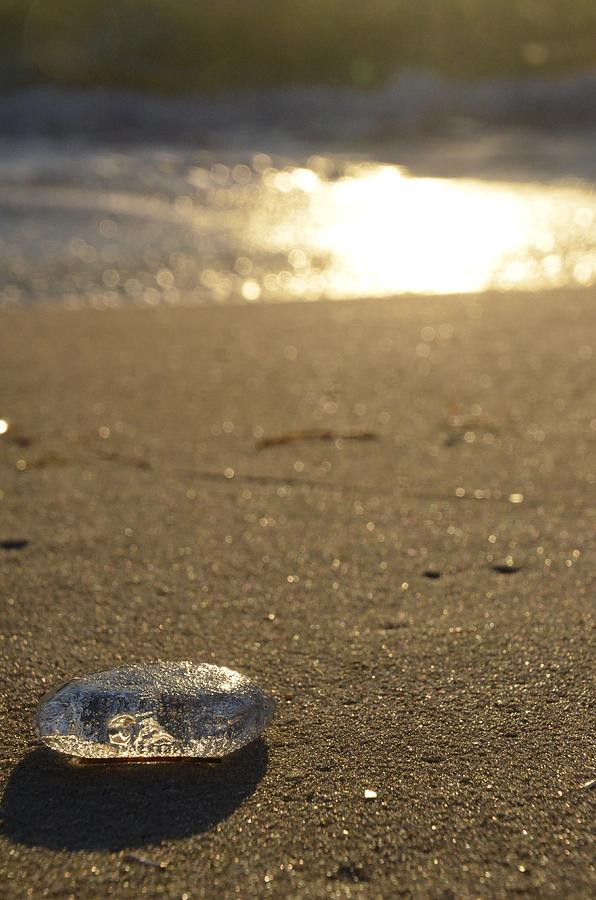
x: 424, y: 185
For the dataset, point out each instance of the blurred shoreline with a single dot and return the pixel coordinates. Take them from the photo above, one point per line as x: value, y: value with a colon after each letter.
x: 416, y: 103
x: 93, y: 222
x: 111, y: 197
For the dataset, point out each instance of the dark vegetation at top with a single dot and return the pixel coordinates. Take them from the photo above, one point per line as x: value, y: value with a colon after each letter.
x: 186, y: 45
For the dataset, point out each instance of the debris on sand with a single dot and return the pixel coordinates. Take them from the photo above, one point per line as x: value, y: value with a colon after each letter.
x: 14, y: 544
x: 507, y: 567
x: 469, y: 426
x: 315, y: 434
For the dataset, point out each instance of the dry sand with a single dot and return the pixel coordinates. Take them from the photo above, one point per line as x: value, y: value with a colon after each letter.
x: 157, y: 528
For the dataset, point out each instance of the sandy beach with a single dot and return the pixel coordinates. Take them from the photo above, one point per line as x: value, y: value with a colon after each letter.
x: 382, y: 512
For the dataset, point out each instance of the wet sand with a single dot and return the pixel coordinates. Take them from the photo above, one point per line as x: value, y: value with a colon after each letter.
x: 408, y: 568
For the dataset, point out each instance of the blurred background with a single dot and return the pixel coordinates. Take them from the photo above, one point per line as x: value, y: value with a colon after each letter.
x: 186, y: 45
x: 190, y: 152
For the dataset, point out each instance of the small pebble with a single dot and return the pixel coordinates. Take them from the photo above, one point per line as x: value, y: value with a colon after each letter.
x: 14, y: 544
x: 506, y: 568
x: 432, y: 573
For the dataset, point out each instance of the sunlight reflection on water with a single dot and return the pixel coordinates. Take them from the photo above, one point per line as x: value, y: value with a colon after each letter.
x: 385, y: 233
x: 169, y: 231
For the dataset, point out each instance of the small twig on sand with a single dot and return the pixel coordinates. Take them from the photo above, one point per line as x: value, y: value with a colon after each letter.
x: 459, y: 423
x: 315, y: 434
x: 589, y: 785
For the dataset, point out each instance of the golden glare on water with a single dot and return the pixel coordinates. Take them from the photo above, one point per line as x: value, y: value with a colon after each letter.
x: 382, y: 232
x: 329, y: 229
